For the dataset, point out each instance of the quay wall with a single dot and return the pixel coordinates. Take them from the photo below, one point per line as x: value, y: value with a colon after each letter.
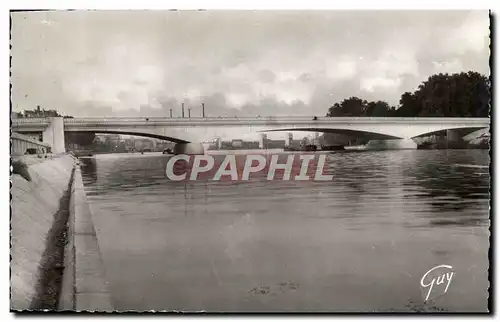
x: 84, y: 284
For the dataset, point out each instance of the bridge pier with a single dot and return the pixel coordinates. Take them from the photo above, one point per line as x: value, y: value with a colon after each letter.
x: 288, y: 139
x: 263, y: 141
x: 53, y: 135
x: 454, y: 139
x: 453, y: 136
x: 189, y: 148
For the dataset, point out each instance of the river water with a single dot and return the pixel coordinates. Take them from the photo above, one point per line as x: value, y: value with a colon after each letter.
x: 361, y: 242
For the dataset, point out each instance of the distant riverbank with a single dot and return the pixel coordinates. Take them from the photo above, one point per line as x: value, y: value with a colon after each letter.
x: 478, y: 140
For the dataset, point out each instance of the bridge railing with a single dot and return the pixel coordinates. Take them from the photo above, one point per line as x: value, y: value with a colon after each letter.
x: 100, y: 120
x: 111, y: 120
x: 28, y: 120
x: 198, y: 118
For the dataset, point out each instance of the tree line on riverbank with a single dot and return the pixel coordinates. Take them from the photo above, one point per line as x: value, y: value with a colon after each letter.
x: 441, y: 95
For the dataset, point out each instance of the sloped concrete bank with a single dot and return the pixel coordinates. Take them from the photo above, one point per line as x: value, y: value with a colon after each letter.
x: 39, y: 212
x: 55, y: 259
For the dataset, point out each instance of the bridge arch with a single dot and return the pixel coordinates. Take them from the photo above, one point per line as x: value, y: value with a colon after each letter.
x: 379, y: 132
x: 123, y: 132
x: 355, y: 133
x: 180, y: 147
x: 462, y: 130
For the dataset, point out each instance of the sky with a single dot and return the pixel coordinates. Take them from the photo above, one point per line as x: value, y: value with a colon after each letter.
x: 247, y: 63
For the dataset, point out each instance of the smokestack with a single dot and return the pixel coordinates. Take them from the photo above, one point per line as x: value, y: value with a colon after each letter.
x: 170, y: 113
x: 189, y: 112
x: 182, y: 110
x: 203, y: 109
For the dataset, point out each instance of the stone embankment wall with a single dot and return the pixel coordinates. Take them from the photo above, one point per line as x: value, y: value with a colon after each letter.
x: 84, y: 285
x: 50, y: 263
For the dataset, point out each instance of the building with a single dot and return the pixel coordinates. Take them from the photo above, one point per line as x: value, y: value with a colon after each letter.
x: 163, y: 145
x: 144, y: 144
x: 237, y: 144
x: 111, y: 139
x: 316, y: 140
x: 15, y: 115
x: 250, y: 145
x: 275, y: 144
x: 38, y: 112
x: 129, y: 144
x: 225, y: 145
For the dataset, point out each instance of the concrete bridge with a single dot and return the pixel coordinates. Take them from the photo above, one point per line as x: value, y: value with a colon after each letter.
x: 189, y: 132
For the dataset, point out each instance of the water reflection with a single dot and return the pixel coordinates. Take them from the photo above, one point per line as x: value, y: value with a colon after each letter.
x: 88, y: 167
x: 456, y: 183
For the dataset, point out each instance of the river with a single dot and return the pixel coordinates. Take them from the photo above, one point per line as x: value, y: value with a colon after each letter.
x: 361, y: 242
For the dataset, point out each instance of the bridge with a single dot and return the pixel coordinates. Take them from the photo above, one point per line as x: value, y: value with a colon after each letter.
x: 189, y: 132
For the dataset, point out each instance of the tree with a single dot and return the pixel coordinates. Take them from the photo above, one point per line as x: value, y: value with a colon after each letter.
x: 352, y: 106
x: 443, y: 95
x: 378, y: 109
x: 481, y: 98
x: 355, y: 106
x: 408, y: 105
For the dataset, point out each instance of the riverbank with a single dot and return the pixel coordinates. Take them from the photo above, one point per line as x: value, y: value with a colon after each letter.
x: 39, y: 212
x: 44, y: 210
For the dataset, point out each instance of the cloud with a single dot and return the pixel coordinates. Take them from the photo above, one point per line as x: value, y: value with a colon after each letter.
x: 238, y: 63
x: 380, y: 83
